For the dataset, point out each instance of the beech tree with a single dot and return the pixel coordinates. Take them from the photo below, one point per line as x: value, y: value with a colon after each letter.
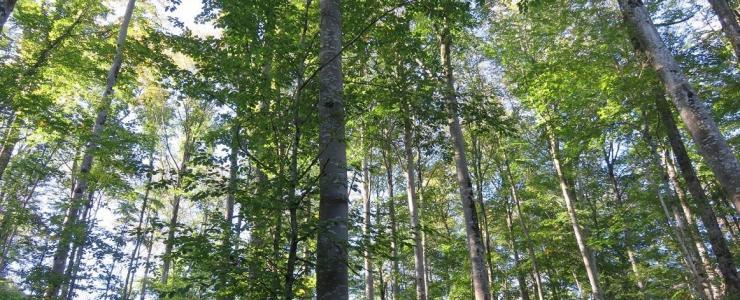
x: 429, y: 149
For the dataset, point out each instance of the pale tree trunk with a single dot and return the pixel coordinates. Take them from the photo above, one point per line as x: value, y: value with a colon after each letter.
x: 172, y: 226
x: 681, y: 234
x: 6, y: 8
x: 570, y: 200
x: 609, y: 161
x: 419, y: 266
x: 65, y: 235
x: 525, y: 228
x: 695, y: 115
x: 481, y: 287
x: 695, y: 236
x: 366, y: 228
x: 144, y: 280
x: 523, y: 291
x: 706, y: 213
x: 11, y: 138
x: 132, y: 264
x: 395, y: 269
x: 729, y: 23
x: 331, y: 250
x: 478, y: 173
x: 420, y: 192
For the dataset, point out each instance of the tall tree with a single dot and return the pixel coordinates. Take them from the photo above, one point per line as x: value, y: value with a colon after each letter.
x: 60, y: 257
x: 706, y: 212
x: 332, y: 280
x: 476, y: 250
x: 569, y: 196
x: 695, y: 115
x: 728, y: 20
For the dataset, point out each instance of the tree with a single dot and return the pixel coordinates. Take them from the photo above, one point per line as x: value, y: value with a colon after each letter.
x: 699, y: 122
x: 331, y: 264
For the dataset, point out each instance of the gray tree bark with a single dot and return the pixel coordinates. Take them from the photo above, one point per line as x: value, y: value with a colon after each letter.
x: 419, y: 267
x: 570, y: 199
x: 729, y: 23
x: 706, y: 212
x: 60, y: 256
x: 395, y: 269
x: 366, y: 229
x: 481, y: 287
x: 331, y: 251
x: 695, y: 115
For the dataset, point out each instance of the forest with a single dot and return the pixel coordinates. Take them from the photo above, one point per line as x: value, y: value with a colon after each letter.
x: 369, y: 149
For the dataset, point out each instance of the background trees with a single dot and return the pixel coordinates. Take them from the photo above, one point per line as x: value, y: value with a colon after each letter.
x: 482, y: 149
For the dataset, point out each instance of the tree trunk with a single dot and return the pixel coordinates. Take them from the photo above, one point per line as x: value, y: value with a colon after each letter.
x: 395, y: 269
x: 609, y: 160
x: 331, y: 251
x: 570, y: 199
x: 729, y: 23
x: 65, y: 236
x: 366, y: 227
x: 706, y: 213
x: 695, y: 115
x: 142, y: 291
x: 525, y: 228
x: 131, y: 270
x: 229, y: 207
x: 172, y: 226
x: 686, y: 218
x: 419, y: 266
x: 11, y: 138
x: 524, y: 292
x: 481, y: 286
x: 6, y: 8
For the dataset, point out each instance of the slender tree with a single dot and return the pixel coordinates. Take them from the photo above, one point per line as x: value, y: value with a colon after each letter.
x: 60, y: 257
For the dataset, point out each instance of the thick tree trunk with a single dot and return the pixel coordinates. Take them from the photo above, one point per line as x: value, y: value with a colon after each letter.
x: 366, y: 229
x: 729, y: 24
x: 695, y: 115
x: 706, y: 213
x: 6, y: 8
x: 331, y: 251
x: 419, y: 267
x: 570, y: 199
x: 395, y: 269
x: 481, y: 287
x: 65, y: 236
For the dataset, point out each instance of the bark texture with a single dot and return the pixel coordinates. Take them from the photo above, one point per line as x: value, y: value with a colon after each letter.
x: 695, y: 115
x: 331, y: 252
x: 65, y: 236
x: 476, y: 251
